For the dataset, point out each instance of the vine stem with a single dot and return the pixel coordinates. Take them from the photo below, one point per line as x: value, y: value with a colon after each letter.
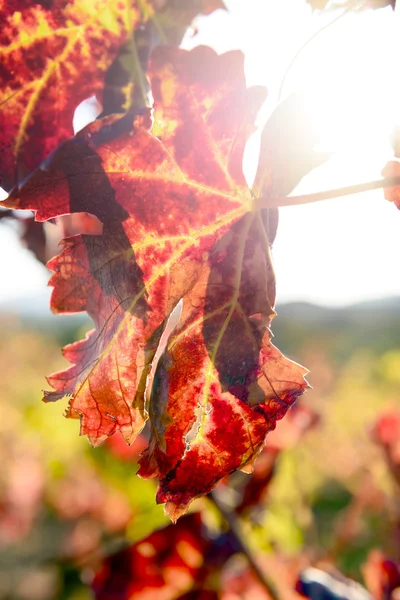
x: 280, y: 201
x: 236, y: 534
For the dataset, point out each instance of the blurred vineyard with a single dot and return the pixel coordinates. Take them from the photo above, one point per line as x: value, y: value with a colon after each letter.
x: 324, y: 493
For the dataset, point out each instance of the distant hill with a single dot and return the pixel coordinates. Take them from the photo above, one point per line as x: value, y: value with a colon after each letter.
x: 374, y: 325
x: 34, y: 313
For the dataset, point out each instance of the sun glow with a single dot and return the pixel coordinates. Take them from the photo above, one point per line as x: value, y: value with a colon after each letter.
x: 337, y: 251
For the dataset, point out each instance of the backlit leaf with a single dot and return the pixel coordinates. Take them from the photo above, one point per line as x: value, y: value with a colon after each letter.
x: 287, y: 151
x: 165, y: 22
x: 173, y: 17
x: 178, y: 224
x: 221, y: 385
x: 52, y: 57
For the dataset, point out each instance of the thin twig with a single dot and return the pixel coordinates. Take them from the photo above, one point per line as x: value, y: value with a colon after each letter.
x: 234, y: 530
x: 278, y: 201
x: 348, y: 9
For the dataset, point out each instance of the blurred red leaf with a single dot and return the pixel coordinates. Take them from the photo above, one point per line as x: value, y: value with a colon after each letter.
x: 260, y: 478
x: 175, y: 16
x: 299, y: 419
x: 239, y: 582
x: 381, y: 575
x: 121, y: 450
x: 21, y: 494
x: 163, y: 566
x: 82, y: 493
x: 34, y: 237
x: 82, y: 540
x: 386, y: 432
x: 392, y: 169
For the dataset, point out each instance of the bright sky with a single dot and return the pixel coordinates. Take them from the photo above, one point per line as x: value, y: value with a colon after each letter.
x: 332, y: 252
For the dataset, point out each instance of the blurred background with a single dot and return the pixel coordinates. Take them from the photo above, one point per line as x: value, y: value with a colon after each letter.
x: 327, y: 488
x: 327, y: 494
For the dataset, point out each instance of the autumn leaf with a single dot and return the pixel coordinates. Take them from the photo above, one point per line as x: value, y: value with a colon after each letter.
x: 164, y: 22
x: 287, y: 150
x: 53, y: 56
x: 173, y: 17
x: 178, y: 224
x: 221, y: 385
x: 117, y: 446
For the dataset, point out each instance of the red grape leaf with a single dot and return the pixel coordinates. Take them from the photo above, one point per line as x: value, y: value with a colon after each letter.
x: 287, y: 151
x: 173, y: 17
x: 52, y: 59
x: 166, y: 22
x: 162, y: 566
x: 178, y: 223
x: 221, y: 385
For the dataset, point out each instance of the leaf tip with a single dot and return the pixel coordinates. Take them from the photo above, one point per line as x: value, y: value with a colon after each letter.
x: 51, y: 396
x: 174, y: 511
